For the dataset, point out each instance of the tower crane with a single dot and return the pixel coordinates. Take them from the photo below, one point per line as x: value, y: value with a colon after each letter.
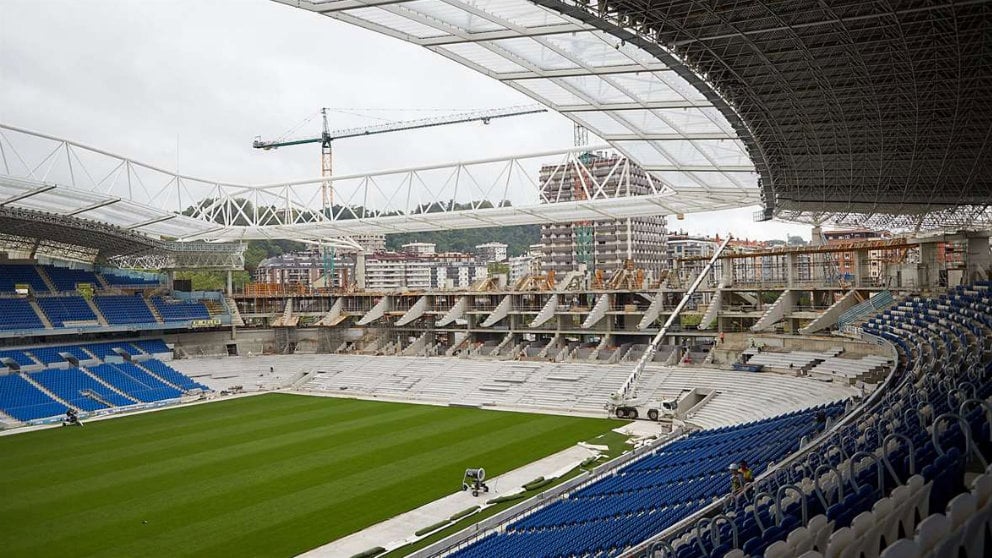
x: 327, y: 136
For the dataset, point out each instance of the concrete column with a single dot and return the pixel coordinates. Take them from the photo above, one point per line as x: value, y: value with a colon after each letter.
x: 790, y: 269
x: 927, y: 271
x: 230, y: 283
x: 816, y: 236
x: 978, y: 259
x: 360, y: 271
x: 861, y: 266
x: 727, y: 270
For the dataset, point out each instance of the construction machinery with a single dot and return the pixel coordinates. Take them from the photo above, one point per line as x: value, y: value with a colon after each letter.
x: 327, y: 137
x: 474, y: 480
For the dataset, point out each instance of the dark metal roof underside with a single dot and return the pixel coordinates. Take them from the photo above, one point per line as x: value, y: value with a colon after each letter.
x: 853, y: 106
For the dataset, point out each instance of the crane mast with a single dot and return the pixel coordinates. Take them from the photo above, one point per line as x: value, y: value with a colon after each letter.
x: 327, y: 138
x: 326, y: 167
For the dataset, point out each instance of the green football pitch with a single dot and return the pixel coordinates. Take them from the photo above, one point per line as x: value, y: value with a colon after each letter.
x: 271, y: 475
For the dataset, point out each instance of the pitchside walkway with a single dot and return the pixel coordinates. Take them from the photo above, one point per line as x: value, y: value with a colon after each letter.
x: 400, y: 530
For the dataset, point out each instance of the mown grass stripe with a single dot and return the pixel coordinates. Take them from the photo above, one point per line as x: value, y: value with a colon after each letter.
x: 271, y: 475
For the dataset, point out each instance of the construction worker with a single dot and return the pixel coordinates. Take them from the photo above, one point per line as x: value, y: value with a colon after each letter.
x: 736, y: 481
x: 745, y: 471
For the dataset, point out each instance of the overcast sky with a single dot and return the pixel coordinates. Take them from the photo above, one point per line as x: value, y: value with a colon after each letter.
x: 138, y: 78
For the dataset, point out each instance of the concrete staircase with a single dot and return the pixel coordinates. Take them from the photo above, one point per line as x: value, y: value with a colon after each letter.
x: 154, y: 311
x: 332, y: 316
x: 598, y: 311
x: 41, y: 314
x: 157, y: 377
x: 716, y: 303
x: 44, y: 390
x: 551, y: 345
x: 377, y: 311
x: 458, y: 344
x: 418, y: 309
x: 777, y: 311
x: 457, y: 310
x: 287, y: 318
x: 417, y: 347
x: 501, y: 311
x: 96, y: 312
x: 46, y: 279
x: 547, y: 312
x: 503, y: 343
x: 232, y: 307
x: 602, y: 345
x: 106, y: 385
x: 7, y: 421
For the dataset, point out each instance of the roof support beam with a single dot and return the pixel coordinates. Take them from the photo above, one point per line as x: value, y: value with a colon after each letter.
x: 28, y: 194
x: 150, y: 222
x: 579, y: 72
x: 96, y: 205
x: 659, y: 105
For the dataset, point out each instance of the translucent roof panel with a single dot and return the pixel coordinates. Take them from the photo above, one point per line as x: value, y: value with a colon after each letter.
x: 396, y: 22
x: 483, y: 57
x: 615, y: 89
x: 452, y: 15
x: 534, y: 53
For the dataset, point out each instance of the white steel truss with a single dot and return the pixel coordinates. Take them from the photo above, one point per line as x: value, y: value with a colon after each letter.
x: 620, y: 92
x: 61, y: 177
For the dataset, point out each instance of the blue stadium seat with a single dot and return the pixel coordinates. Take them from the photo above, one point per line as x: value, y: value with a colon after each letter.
x: 12, y: 275
x: 151, y: 346
x: 124, y: 309
x: 175, y: 310
x: 172, y: 375
x: 651, y: 493
x: 18, y: 356
x: 136, y: 383
x: 103, y: 350
x: 66, y: 279
x: 61, y: 309
x: 68, y: 385
x: 23, y: 401
x: 51, y: 355
x: 18, y: 314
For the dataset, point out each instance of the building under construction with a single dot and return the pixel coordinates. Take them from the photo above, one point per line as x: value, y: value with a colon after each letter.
x: 600, y: 245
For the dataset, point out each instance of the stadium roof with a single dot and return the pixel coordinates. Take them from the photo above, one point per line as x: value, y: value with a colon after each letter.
x: 40, y: 173
x: 653, y: 112
x: 854, y: 112
x: 850, y: 110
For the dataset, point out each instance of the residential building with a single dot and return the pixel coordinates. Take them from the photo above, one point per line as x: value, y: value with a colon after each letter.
x: 491, y: 252
x: 602, y: 244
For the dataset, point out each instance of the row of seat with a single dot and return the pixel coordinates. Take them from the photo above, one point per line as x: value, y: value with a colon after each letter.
x: 176, y: 310
x: 62, y: 309
x: 64, y: 279
x: 54, y: 354
x: 870, y: 489
x: 116, y: 309
x: 91, y: 388
x: 653, y: 492
x: 18, y: 314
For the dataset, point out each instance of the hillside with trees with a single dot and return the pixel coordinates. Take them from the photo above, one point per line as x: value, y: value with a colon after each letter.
x: 517, y: 238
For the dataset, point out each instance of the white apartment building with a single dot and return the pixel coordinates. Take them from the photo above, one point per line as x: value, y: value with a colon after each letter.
x: 491, y: 252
